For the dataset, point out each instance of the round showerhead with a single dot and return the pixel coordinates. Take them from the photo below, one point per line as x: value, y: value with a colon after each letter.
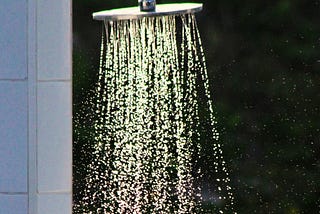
x: 136, y: 13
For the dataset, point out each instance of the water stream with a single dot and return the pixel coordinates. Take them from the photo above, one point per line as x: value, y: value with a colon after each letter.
x: 151, y: 111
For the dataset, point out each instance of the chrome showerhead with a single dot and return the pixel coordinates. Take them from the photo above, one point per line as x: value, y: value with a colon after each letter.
x: 136, y: 13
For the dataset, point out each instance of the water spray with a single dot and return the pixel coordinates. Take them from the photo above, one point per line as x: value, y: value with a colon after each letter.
x: 148, y: 133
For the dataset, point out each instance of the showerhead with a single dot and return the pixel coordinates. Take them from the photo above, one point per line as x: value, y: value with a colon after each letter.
x: 136, y: 13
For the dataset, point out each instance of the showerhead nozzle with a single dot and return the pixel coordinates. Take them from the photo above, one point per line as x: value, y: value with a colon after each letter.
x: 136, y: 13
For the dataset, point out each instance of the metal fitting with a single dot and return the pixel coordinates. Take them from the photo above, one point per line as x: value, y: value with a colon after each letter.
x: 147, y: 5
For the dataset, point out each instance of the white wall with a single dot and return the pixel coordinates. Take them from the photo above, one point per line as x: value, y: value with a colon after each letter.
x: 35, y: 107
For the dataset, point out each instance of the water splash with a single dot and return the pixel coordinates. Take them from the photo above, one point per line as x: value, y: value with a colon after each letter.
x: 147, y: 150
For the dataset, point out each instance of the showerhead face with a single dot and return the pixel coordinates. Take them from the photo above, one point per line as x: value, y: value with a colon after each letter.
x: 135, y: 13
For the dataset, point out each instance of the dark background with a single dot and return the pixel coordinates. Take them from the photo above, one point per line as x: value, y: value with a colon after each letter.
x: 264, y: 67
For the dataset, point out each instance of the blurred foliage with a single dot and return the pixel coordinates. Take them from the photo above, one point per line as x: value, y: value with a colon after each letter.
x: 264, y: 66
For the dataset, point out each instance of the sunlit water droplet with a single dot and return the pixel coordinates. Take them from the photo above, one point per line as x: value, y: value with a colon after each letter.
x: 145, y: 147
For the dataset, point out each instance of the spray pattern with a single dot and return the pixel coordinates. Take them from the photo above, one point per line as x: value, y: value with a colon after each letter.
x: 149, y: 126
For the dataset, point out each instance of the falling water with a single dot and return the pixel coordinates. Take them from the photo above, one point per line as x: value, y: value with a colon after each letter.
x: 147, y: 154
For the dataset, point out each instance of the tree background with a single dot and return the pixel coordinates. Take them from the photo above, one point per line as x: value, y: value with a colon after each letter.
x: 263, y: 60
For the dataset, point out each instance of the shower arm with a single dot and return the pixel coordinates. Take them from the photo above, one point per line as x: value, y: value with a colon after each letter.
x: 147, y: 5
